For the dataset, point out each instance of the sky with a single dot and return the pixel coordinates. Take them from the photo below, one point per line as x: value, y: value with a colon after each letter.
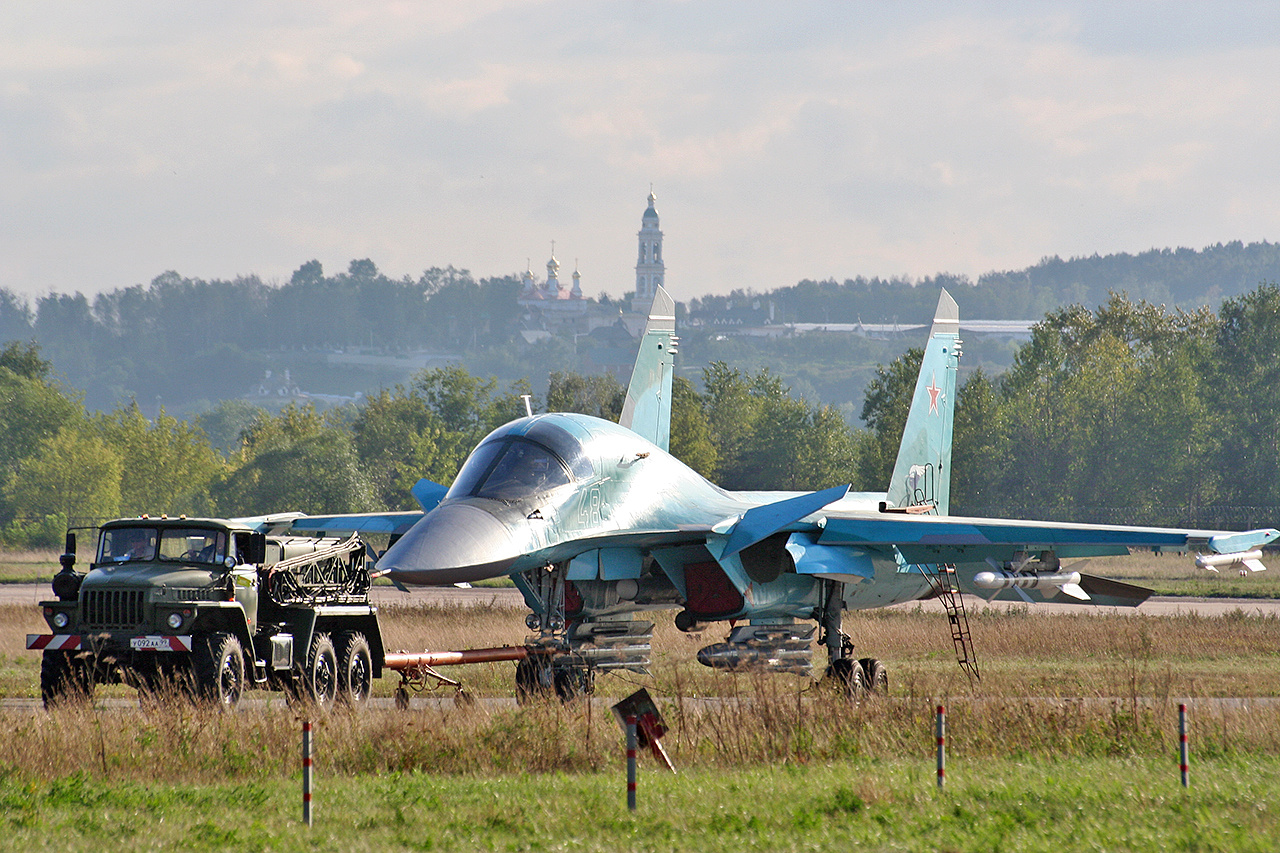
x: 783, y: 140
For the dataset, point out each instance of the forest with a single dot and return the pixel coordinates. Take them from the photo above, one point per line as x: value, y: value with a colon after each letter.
x: 145, y: 343
x: 1130, y: 412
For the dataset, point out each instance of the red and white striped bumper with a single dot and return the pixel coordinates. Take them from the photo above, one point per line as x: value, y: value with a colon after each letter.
x: 54, y: 642
x: 75, y: 642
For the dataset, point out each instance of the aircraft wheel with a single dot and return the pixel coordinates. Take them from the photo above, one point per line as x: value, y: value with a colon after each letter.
x: 572, y: 682
x: 533, y: 680
x: 875, y: 675
x: 848, y: 676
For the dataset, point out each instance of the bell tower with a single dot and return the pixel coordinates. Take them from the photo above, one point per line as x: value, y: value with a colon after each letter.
x: 650, y: 269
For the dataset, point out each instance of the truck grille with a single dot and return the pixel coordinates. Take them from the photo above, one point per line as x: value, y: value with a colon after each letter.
x: 112, y: 608
x: 204, y: 593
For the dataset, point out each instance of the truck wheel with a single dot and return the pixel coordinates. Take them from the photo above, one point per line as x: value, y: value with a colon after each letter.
x: 321, y: 678
x: 63, y: 679
x: 218, y: 666
x: 355, y: 668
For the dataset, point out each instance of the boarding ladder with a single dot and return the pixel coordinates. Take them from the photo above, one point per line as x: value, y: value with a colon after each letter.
x: 947, y: 590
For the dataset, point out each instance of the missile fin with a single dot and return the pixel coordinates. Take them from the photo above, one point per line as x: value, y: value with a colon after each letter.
x: 1074, y: 590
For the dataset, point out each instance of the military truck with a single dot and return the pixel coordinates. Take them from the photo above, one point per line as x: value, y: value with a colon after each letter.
x: 211, y: 607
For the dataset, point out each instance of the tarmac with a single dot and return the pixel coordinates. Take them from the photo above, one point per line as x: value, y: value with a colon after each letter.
x: 439, y: 596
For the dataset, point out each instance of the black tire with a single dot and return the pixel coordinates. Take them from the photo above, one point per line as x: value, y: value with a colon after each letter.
x: 217, y: 664
x: 63, y: 679
x: 572, y: 682
x: 533, y: 680
x: 355, y: 668
x: 875, y: 676
x: 848, y: 676
x: 320, y: 681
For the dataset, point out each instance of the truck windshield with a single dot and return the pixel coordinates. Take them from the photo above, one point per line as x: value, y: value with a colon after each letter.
x: 186, y: 545
x: 193, y: 545
x: 127, y: 543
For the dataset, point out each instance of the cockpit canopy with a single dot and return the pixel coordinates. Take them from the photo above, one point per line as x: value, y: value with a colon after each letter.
x: 515, y: 463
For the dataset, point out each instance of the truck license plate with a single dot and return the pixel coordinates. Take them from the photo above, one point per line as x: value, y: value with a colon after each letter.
x: 164, y: 644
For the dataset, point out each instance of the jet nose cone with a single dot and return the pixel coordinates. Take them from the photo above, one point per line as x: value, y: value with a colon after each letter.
x: 453, y: 543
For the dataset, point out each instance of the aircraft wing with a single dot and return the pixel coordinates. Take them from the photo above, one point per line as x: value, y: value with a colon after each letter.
x: 952, y: 539
x: 394, y: 523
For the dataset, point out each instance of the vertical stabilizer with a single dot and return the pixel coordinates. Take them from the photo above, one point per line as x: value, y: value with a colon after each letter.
x: 647, y: 410
x: 922, y: 473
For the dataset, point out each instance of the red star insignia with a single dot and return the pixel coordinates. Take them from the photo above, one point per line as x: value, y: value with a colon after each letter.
x: 934, y: 391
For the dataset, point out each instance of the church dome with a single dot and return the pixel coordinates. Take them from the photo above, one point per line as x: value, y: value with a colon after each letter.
x: 650, y: 213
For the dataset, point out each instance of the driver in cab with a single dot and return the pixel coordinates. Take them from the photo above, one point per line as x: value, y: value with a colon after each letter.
x: 138, y: 547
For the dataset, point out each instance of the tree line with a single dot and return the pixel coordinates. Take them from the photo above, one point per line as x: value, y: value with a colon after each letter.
x: 1130, y: 412
x: 149, y: 341
x: 1177, y: 277
x: 146, y: 342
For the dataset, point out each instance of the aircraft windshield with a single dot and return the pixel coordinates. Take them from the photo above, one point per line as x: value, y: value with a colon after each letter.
x: 509, y: 469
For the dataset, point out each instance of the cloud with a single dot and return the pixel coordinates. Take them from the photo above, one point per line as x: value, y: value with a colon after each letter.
x: 785, y: 141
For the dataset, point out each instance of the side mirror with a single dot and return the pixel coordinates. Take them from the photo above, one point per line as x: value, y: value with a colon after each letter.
x: 66, y: 583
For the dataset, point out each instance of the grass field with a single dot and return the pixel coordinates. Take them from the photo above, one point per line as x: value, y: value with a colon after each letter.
x: 1069, y: 742
x: 995, y: 804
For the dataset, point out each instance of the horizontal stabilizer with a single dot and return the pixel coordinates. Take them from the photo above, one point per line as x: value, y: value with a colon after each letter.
x: 1109, y: 593
x: 428, y: 494
x: 760, y: 522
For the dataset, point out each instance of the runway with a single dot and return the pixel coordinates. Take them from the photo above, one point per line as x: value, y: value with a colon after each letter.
x: 443, y: 596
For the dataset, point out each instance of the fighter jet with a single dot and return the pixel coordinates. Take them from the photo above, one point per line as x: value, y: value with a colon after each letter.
x: 597, y: 522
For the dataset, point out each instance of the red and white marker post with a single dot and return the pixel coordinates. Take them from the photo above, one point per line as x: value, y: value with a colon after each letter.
x: 1183, y: 756
x: 306, y: 772
x: 631, y: 762
x: 942, y: 746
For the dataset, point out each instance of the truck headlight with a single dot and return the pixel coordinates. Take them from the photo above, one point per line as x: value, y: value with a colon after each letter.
x: 175, y: 621
x: 61, y: 619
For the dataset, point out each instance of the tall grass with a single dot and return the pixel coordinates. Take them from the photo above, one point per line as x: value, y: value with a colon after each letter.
x: 767, y: 724
x: 1083, y: 686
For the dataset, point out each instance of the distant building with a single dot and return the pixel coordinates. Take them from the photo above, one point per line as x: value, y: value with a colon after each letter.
x: 551, y: 308
x: 550, y: 305
x: 651, y: 270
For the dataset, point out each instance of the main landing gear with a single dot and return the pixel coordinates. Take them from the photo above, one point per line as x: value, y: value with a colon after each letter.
x: 856, y: 678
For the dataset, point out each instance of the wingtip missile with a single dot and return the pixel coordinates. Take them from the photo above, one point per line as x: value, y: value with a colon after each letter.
x: 1251, y: 560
